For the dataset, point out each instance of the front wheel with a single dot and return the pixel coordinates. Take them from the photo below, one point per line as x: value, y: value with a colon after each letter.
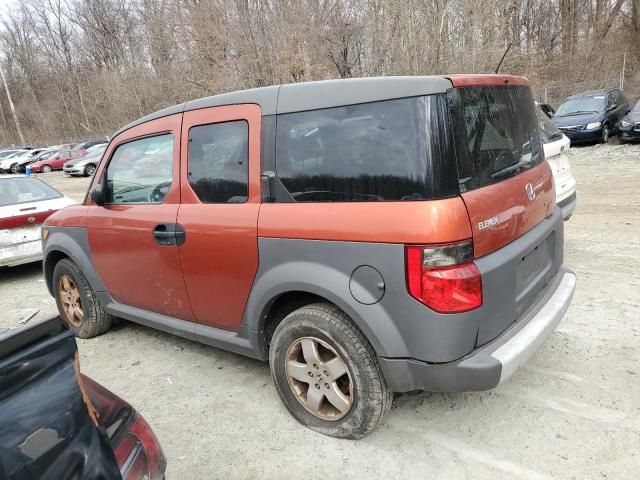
x: 78, y: 306
x: 89, y: 170
x: 46, y: 169
x: 15, y: 168
x: 327, y: 374
x: 605, y: 134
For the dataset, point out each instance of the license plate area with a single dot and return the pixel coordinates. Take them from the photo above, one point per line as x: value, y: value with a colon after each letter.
x: 534, y: 267
x: 16, y: 236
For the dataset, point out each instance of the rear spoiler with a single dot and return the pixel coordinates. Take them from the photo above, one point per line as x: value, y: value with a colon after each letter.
x: 486, y: 79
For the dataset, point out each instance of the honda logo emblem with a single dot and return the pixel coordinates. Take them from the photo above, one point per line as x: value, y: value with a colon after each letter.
x: 31, y: 219
x: 531, y: 193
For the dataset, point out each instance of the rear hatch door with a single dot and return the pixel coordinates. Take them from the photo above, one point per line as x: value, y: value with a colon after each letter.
x: 508, y: 190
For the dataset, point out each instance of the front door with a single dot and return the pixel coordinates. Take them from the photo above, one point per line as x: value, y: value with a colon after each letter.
x: 220, y: 190
x: 133, y: 237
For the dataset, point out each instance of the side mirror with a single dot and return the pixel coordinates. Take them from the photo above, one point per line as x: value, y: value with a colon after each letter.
x: 613, y: 107
x: 97, y: 195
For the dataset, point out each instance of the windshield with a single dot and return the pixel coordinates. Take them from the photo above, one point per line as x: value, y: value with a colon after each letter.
x: 497, y: 134
x: 15, y: 190
x: 581, y: 105
x: 548, y: 131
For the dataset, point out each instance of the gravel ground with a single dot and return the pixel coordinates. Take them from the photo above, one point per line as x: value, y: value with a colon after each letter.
x: 572, y: 412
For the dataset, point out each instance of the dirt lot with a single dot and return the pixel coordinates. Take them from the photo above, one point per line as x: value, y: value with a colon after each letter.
x: 572, y: 412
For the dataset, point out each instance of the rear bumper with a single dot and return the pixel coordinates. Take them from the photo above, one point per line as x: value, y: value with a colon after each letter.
x: 495, y: 362
x: 568, y: 205
x: 12, y: 255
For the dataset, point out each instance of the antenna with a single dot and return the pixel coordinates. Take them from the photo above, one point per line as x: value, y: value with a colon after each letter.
x: 502, y: 59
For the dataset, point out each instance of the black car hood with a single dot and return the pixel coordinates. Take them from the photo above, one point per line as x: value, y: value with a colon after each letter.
x: 580, y: 119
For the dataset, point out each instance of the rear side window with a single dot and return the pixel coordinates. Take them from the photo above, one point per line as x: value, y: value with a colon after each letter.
x: 219, y: 162
x: 548, y: 131
x: 16, y: 190
x: 497, y: 135
x: 140, y: 171
x: 396, y: 150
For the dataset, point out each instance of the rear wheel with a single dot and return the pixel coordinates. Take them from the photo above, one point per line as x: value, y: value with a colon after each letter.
x: 605, y: 134
x: 89, y: 170
x: 77, y: 303
x: 46, y: 169
x: 327, y: 374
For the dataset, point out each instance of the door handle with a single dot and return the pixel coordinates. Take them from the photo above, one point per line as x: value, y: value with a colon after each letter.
x: 169, y: 234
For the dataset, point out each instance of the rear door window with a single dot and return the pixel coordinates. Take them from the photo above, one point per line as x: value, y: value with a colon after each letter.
x: 394, y: 150
x: 497, y: 134
x: 548, y: 130
x: 219, y: 162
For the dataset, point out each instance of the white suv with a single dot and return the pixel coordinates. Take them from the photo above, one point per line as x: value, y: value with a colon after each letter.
x: 556, y: 144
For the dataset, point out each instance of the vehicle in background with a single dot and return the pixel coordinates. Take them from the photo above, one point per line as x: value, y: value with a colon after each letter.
x: 630, y: 125
x: 10, y: 152
x: 85, y: 166
x: 55, y: 161
x: 91, y: 143
x: 547, y: 109
x: 17, y: 163
x: 365, y: 236
x: 58, y: 423
x: 592, y: 117
x: 556, y: 144
x: 25, y: 202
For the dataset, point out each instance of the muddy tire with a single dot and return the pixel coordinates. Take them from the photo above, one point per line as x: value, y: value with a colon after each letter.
x: 78, y: 306
x: 327, y: 374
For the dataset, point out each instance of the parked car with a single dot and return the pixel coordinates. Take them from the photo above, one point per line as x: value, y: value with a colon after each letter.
x: 10, y: 152
x: 9, y: 159
x: 85, y: 166
x: 91, y: 143
x: 25, y: 202
x: 630, y: 125
x: 383, y: 235
x: 55, y: 161
x: 16, y: 163
x: 57, y: 423
x: 593, y: 116
x: 555, y: 146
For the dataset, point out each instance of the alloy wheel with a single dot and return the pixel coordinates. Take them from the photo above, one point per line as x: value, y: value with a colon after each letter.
x: 70, y: 299
x: 319, y: 378
x: 90, y: 170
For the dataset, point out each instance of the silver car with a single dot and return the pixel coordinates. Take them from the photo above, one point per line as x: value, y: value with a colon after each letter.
x: 85, y: 166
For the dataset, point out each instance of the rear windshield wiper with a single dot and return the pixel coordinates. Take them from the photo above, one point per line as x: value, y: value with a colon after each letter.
x: 509, y: 171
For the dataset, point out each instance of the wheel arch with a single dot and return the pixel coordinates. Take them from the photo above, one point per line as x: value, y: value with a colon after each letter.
x: 263, y: 316
x: 70, y: 243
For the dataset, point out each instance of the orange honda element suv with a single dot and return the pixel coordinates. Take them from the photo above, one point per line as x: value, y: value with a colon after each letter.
x: 365, y: 236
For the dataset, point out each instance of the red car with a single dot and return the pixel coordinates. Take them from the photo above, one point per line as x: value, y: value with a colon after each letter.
x: 55, y: 160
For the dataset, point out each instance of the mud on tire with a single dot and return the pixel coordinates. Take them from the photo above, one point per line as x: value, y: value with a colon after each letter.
x: 77, y: 303
x: 336, y: 336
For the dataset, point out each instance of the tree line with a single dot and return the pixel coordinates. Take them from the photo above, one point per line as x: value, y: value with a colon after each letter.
x: 82, y: 68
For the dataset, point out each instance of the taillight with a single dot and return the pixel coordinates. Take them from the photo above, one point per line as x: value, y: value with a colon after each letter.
x: 444, y: 277
x: 138, y: 453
